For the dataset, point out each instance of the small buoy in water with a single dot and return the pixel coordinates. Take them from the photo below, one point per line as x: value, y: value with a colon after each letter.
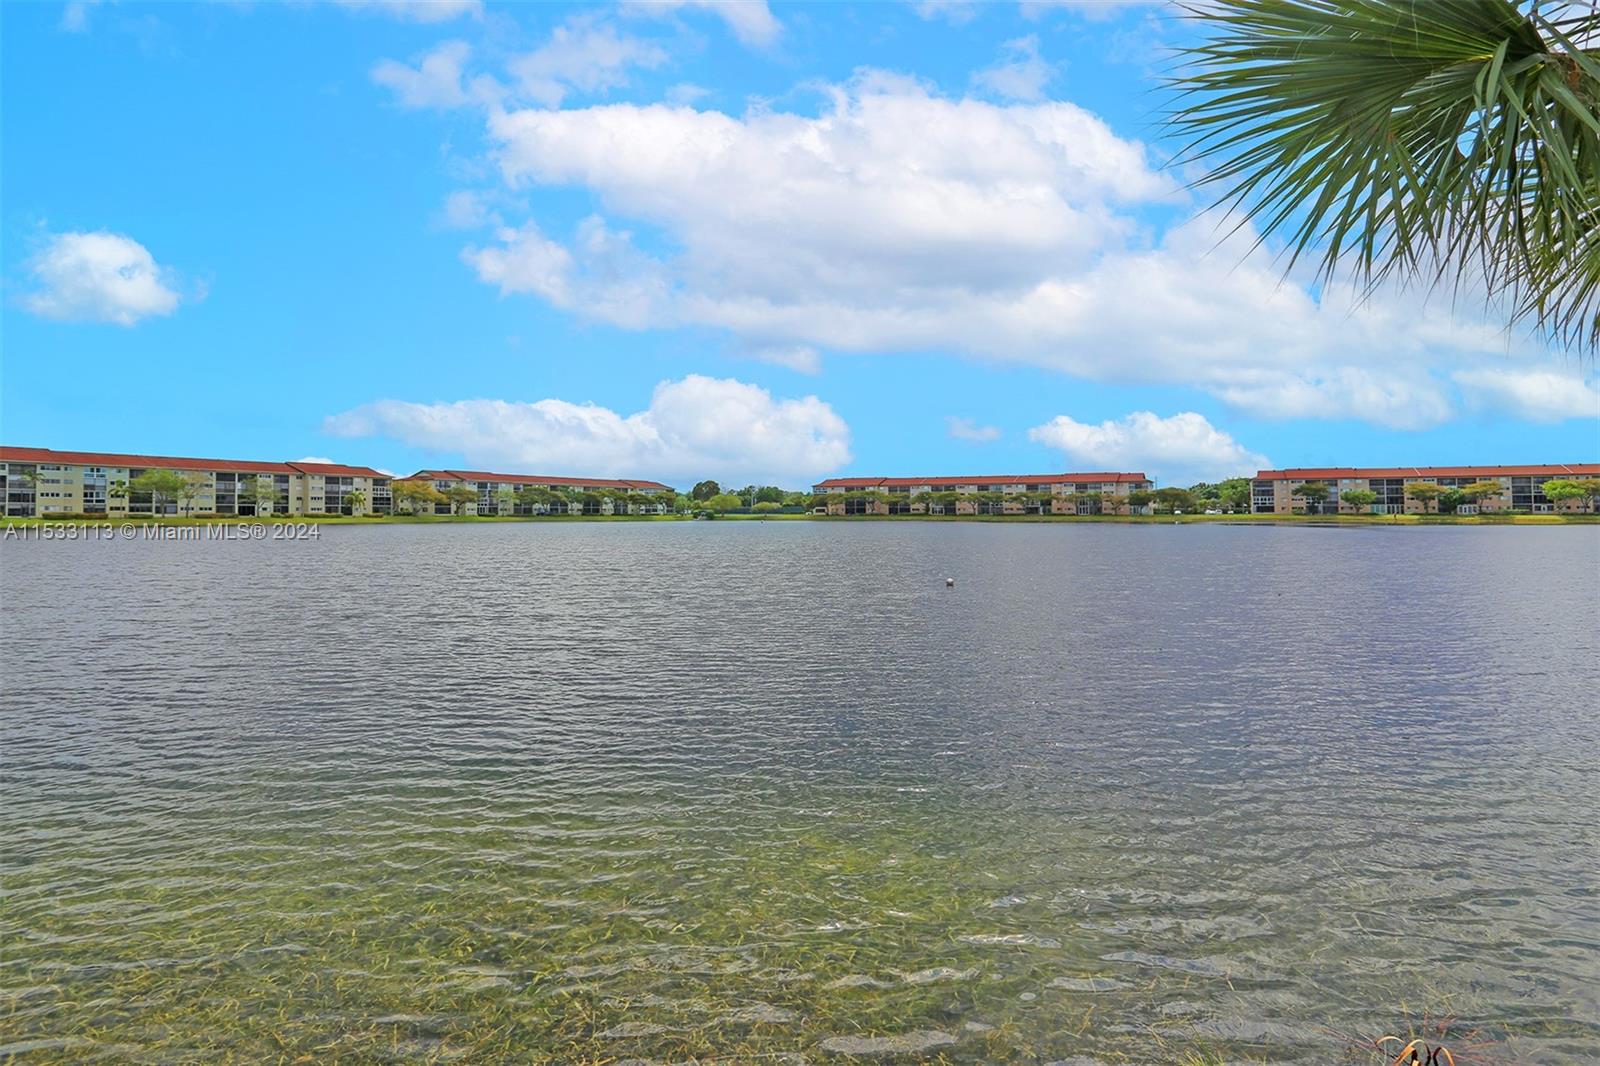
x: 949, y: 582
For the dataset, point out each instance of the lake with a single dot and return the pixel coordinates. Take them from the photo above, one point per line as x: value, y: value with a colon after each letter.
x: 589, y: 792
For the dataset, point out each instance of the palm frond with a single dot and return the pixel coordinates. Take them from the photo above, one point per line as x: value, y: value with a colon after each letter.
x: 1448, y: 140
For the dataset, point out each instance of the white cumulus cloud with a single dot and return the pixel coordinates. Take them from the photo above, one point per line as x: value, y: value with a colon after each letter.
x: 98, y: 277
x: 909, y: 221
x: 1533, y: 394
x: 751, y: 21
x: 1184, y: 448
x: 1022, y: 73
x: 585, y: 55
x: 694, y: 428
x: 434, y: 82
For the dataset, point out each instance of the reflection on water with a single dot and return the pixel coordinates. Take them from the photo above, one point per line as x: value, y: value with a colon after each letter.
x: 587, y: 792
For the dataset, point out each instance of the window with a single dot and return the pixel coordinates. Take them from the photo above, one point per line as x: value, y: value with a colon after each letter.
x: 1263, y: 497
x: 1391, y: 493
x: 1527, y: 493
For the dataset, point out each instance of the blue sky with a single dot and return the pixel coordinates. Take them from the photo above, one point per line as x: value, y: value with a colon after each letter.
x: 681, y: 240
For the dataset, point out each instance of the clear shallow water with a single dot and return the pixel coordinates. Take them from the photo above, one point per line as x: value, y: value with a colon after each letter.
x: 590, y: 793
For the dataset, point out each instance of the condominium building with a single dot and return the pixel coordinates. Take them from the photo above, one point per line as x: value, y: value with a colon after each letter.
x: 1276, y: 491
x: 1080, y: 494
x: 41, y: 481
x: 507, y: 494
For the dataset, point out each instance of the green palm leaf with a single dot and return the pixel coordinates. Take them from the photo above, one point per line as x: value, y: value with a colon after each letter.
x: 1448, y: 140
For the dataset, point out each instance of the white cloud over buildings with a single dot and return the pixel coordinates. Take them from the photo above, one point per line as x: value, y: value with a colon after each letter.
x: 1537, y: 395
x: 693, y: 428
x: 1182, y: 448
x: 899, y: 219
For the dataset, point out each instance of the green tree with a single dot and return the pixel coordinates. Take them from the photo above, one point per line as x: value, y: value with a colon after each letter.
x: 723, y: 502
x: 705, y: 490
x: 265, y: 495
x: 249, y: 494
x: 118, y: 489
x: 1359, y: 498
x: 1315, y: 493
x: 1478, y: 491
x: 795, y: 499
x: 769, y: 494
x: 1141, y: 497
x: 1425, y: 493
x: 1174, y: 499
x: 767, y: 507
x: 1234, y: 494
x: 419, y: 497
x: 355, y: 501
x: 1448, y: 140
x: 1591, y: 489
x: 193, y: 485
x: 461, y: 497
x: 162, y: 486
x: 1559, y: 490
x: 32, y: 477
x: 505, y: 501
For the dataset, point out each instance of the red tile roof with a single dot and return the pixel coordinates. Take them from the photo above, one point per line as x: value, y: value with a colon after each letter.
x: 985, y: 479
x: 10, y: 454
x: 337, y: 470
x: 1335, y: 473
x: 541, y: 479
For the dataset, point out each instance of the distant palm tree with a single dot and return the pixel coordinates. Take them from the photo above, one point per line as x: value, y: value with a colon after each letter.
x: 355, y: 500
x: 1445, y: 140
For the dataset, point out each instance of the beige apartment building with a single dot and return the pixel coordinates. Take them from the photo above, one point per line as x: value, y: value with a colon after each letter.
x: 1011, y: 494
x: 41, y: 482
x: 603, y: 496
x: 1274, y: 491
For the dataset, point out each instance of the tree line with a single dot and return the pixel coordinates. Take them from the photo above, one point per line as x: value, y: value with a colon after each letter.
x: 424, y: 496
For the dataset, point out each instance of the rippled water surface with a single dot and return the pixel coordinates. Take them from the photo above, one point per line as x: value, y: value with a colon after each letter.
x: 578, y: 792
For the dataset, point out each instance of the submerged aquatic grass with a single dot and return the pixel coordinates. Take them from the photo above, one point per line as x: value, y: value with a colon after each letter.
x: 816, y: 822
x: 576, y: 938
